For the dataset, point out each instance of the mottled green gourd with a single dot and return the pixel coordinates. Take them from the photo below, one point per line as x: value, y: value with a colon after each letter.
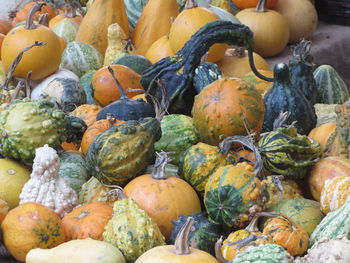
x: 122, y: 152
x: 286, y: 152
x: 131, y: 230
x: 267, y: 253
x: 85, y: 83
x: 334, y: 224
x: 284, y: 96
x: 204, y: 74
x: 27, y: 125
x: 301, y: 70
x: 178, y: 134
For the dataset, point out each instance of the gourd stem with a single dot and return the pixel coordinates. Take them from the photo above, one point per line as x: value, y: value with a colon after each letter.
x: 253, y: 225
x: 15, y: 63
x: 218, y: 253
x: 181, y: 242
x: 30, y: 17
x: 246, y: 241
x: 116, y: 191
x: 69, y: 9
x: 255, y: 71
x: 121, y: 90
x: 261, y: 6
x: 44, y: 20
x: 158, y: 172
x: 237, y: 52
x: 190, y: 4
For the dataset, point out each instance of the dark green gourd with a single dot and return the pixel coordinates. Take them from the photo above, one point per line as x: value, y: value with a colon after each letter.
x: 285, y: 97
x: 126, y: 108
x: 301, y: 70
x: 204, y: 74
x: 178, y: 71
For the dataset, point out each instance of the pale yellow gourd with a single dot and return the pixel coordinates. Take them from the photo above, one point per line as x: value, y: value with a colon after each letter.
x: 77, y: 251
x: 115, y: 48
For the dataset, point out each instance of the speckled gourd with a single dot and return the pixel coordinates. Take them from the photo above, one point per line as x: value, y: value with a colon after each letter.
x: 131, y: 230
x: 27, y: 125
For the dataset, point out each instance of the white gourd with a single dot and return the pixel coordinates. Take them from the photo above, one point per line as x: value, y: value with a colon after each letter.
x: 115, y: 44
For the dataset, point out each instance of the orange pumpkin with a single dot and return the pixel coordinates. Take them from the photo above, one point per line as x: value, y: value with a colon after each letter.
x: 227, y: 107
x: 69, y: 146
x: 323, y: 132
x: 31, y: 225
x: 242, y: 4
x: 159, y: 49
x: 104, y: 88
x: 43, y: 60
x: 162, y: 196
x: 87, y: 221
x: 4, y: 209
x: 2, y: 36
x: 22, y: 14
x: 87, y: 112
x: 5, y: 26
x: 288, y: 234
x: 262, y: 86
x: 325, y: 169
x: 95, y: 129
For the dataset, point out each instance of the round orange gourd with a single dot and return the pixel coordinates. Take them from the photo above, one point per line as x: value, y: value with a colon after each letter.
x: 324, y: 169
x: 323, y: 132
x: 163, y: 197
x: 87, y: 221
x: 188, y: 22
x: 159, y: 49
x: 242, y: 4
x: 87, y: 112
x: 262, y: 86
x: 235, y: 63
x: 4, y: 209
x: 270, y: 28
x: 43, y: 60
x: 5, y: 26
x: 31, y: 225
x: 104, y: 88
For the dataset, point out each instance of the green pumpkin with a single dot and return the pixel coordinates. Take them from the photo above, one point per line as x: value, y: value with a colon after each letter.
x: 285, y: 152
x: 331, y: 87
x: 73, y: 169
x: 205, y: 74
x: 204, y: 235
x: 334, y: 224
x: 136, y: 62
x: 85, y: 82
x: 284, y: 96
x: 120, y: 153
x: 267, y: 253
x: 178, y: 134
x: 305, y: 212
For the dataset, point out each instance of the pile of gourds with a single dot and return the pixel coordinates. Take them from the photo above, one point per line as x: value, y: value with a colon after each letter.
x: 155, y: 131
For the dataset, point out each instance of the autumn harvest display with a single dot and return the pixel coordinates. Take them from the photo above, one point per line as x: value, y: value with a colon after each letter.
x: 156, y: 131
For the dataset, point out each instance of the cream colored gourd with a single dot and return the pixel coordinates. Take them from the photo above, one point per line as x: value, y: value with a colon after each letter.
x: 115, y: 48
x: 45, y: 186
x: 301, y: 16
x: 77, y: 251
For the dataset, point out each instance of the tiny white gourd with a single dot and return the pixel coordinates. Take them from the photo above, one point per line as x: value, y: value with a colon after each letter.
x: 45, y: 186
x: 115, y: 48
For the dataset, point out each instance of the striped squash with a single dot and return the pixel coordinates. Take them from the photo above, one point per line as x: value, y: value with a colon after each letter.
x: 4, y: 208
x: 133, y: 10
x: 80, y: 58
x: 233, y: 194
x: 66, y: 29
x: 331, y: 88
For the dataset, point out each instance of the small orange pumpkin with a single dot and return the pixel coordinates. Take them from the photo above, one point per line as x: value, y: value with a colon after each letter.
x: 4, y: 209
x: 87, y: 221
x: 242, y: 4
x: 87, y: 112
x: 159, y: 49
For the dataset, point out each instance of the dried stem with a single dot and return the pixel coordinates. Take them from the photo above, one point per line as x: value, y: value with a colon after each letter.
x: 30, y: 17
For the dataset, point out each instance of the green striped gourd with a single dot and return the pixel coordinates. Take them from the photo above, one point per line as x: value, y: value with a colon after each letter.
x: 124, y: 151
x: 333, y: 224
x: 80, y: 57
x: 178, y: 134
x: 331, y: 88
x: 133, y: 10
x: 286, y: 152
x: 66, y: 29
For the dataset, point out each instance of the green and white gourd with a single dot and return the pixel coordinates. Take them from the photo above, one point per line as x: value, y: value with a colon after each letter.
x: 80, y: 58
x: 331, y: 87
x: 73, y: 169
x: 66, y: 29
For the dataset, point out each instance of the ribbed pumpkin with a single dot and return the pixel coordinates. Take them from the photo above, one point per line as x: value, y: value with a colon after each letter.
x: 87, y: 221
x: 87, y: 113
x: 287, y: 233
x: 325, y: 169
x: 335, y: 193
x: 163, y: 197
x: 261, y: 85
x: 93, y: 29
x: 159, y: 49
x: 4, y: 209
x: 105, y: 89
x: 227, y: 107
x: 323, y: 132
x: 43, y: 60
x: 189, y: 21
x: 29, y: 226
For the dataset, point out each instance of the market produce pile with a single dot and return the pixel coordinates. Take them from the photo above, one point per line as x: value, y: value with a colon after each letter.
x: 155, y: 131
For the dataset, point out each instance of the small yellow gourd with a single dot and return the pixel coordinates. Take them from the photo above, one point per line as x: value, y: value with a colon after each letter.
x: 115, y: 48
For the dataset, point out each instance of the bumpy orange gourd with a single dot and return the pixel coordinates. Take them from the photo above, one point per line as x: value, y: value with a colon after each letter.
x: 154, y: 22
x: 323, y: 132
x: 104, y: 88
x: 188, y: 22
x: 29, y: 226
x: 94, y: 26
x: 87, y: 112
x: 43, y: 60
x: 87, y: 221
x: 242, y: 4
x: 159, y: 49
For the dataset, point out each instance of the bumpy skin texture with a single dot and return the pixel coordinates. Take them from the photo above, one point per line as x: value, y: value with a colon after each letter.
x: 132, y: 230
x: 46, y: 187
